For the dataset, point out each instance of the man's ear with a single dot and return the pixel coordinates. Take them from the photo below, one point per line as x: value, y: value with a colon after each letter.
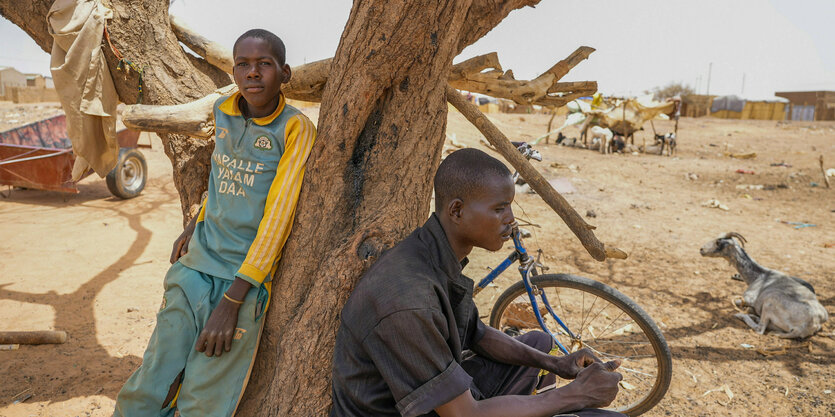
x: 287, y: 73
x: 454, y: 210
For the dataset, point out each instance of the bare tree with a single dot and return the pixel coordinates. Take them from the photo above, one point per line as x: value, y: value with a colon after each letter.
x: 670, y: 90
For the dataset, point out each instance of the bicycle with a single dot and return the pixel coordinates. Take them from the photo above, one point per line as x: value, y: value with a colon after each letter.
x: 618, y: 330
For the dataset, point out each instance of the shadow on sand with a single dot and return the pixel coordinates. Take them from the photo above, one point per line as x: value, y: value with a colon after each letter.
x: 72, y: 376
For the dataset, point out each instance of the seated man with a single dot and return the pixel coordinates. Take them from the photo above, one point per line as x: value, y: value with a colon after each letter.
x: 410, y: 340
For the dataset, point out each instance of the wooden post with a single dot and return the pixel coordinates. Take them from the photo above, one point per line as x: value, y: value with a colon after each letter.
x: 550, y: 121
x: 33, y: 338
x: 581, y: 229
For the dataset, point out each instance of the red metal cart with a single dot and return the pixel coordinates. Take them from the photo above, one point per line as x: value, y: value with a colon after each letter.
x: 39, y: 155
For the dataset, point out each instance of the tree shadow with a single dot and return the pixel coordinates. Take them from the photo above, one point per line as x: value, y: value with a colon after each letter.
x: 71, y: 375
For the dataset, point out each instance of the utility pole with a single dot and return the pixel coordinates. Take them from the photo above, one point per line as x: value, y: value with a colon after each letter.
x: 742, y: 91
x: 709, y: 69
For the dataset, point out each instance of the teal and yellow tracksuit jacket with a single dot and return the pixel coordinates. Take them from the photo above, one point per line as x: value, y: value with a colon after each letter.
x: 257, y: 170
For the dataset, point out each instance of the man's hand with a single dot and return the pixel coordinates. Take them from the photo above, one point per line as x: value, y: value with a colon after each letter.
x: 567, y: 367
x: 596, y: 385
x: 216, y: 337
x: 181, y: 244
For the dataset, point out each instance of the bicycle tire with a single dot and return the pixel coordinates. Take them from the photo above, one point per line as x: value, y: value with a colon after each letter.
x: 629, y: 401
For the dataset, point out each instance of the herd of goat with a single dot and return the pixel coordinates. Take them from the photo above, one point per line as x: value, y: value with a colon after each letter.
x: 604, y: 140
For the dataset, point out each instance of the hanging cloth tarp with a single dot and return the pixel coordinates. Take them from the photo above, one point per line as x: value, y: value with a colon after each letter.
x: 83, y: 82
x: 630, y: 115
x: 730, y: 103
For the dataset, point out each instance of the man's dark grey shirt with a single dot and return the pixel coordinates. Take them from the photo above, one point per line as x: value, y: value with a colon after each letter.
x: 403, y: 330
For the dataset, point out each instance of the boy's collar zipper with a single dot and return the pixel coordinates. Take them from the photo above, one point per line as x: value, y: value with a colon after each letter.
x: 243, y: 132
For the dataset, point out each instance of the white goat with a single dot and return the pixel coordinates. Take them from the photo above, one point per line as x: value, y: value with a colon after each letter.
x: 786, y: 305
x: 604, y: 136
x: 668, y: 141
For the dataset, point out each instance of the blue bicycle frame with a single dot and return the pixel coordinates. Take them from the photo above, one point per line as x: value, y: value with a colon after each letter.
x: 526, y: 265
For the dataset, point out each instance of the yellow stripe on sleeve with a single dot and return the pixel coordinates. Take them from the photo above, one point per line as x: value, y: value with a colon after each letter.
x: 201, y: 215
x: 280, y: 207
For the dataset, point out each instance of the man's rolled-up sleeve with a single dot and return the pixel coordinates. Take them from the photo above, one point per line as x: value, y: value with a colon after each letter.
x: 409, y: 348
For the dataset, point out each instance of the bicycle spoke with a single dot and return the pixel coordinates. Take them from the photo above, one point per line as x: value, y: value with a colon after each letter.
x: 635, y: 371
x: 610, y: 323
x: 606, y: 323
x: 580, y: 329
x: 599, y: 312
x: 583, y: 325
x: 598, y: 341
x: 559, y: 299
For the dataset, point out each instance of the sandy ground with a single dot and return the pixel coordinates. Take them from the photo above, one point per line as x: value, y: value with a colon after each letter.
x: 93, y: 265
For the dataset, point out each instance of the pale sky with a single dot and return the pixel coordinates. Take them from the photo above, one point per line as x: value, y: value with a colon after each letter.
x: 777, y: 45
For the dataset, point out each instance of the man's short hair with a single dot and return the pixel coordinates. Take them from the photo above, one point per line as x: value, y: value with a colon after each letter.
x: 276, y: 44
x: 463, y: 173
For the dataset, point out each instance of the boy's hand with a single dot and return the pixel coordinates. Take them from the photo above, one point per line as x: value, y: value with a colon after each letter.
x: 567, y: 367
x: 216, y: 337
x: 181, y: 244
x: 596, y: 385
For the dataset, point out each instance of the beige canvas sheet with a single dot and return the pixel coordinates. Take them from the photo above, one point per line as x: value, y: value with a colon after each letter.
x: 83, y: 82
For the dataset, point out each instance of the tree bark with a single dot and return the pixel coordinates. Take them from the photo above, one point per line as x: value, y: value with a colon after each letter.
x: 381, y: 132
x: 140, y: 31
x: 368, y: 184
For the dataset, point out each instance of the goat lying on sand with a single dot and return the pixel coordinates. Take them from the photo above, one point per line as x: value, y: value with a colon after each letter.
x: 786, y: 305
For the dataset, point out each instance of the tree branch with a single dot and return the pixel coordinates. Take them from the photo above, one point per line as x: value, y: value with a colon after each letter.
x: 542, y: 90
x: 213, y: 52
x: 309, y: 80
x: 31, y: 17
x: 581, y: 229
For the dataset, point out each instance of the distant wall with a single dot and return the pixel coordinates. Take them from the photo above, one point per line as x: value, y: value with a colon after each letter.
x: 29, y: 94
x: 9, y: 78
x: 810, y: 105
x: 755, y: 110
x: 36, y: 81
x: 764, y: 110
x: 696, y: 105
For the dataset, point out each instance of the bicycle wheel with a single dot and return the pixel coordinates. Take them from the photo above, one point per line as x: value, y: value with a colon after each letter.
x: 602, y: 319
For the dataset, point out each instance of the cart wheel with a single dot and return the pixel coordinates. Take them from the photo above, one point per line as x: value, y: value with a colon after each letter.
x: 127, y: 179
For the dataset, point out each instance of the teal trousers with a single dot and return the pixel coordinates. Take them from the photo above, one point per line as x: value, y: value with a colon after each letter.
x: 211, y: 386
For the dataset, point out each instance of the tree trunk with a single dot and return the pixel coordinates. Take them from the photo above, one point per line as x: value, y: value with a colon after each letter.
x: 368, y: 181
x: 140, y: 31
x: 368, y: 184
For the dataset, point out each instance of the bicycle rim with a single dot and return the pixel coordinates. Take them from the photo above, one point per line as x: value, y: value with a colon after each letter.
x: 601, y: 319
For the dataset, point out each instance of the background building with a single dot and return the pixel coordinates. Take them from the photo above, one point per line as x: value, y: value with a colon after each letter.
x: 809, y: 105
x: 10, y: 77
